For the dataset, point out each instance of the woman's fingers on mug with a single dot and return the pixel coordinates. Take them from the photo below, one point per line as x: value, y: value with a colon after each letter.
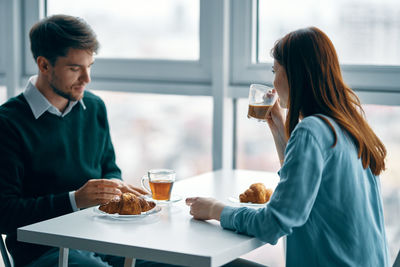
x: 272, y: 110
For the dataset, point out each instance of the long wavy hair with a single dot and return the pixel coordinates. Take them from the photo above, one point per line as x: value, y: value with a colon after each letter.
x: 316, y: 87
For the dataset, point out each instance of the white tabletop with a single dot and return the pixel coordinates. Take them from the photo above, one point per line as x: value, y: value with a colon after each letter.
x: 170, y: 236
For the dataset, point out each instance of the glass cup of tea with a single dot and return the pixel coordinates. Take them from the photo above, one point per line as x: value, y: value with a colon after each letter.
x: 261, y: 99
x: 161, y: 182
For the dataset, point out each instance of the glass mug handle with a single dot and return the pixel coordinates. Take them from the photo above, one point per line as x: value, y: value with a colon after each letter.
x: 144, y: 178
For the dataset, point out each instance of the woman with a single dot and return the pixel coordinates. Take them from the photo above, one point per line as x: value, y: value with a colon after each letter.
x: 328, y: 201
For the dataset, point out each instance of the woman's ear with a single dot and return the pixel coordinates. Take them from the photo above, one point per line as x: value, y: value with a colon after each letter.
x: 43, y: 64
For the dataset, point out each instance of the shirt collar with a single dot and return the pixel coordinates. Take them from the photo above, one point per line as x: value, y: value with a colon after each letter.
x: 39, y: 103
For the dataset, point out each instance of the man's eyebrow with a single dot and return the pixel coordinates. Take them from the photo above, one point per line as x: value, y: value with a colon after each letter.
x: 78, y: 65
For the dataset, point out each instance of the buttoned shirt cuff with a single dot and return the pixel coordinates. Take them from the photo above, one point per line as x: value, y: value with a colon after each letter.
x: 72, y: 200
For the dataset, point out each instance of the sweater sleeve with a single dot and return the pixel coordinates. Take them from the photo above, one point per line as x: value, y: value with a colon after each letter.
x: 17, y: 210
x: 293, y: 199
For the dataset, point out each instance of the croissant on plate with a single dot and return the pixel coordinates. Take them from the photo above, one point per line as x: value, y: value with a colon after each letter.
x: 127, y: 204
x: 257, y: 193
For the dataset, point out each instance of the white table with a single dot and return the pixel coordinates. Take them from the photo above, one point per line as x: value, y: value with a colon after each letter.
x: 171, y: 236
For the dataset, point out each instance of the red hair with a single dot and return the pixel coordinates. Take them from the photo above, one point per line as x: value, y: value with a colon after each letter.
x: 316, y: 87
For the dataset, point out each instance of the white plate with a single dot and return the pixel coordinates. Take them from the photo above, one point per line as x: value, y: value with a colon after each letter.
x: 248, y: 204
x: 173, y: 199
x: 117, y: 216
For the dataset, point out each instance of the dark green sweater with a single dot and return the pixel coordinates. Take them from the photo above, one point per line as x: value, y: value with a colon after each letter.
x: 42, y: 159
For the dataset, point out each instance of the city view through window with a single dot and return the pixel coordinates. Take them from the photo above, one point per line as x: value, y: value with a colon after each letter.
x: 151, y: 29
x: 163, y: 134
x: 363, y: 32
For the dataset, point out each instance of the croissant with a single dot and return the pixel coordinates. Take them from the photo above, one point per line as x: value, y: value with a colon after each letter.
x: 127, y: 204
x: 257, y: 193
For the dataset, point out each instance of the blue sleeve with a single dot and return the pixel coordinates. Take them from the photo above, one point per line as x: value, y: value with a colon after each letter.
x: 293, y: 198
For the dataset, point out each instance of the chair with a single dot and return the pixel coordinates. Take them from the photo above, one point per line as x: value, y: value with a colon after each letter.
x: 4, y: 254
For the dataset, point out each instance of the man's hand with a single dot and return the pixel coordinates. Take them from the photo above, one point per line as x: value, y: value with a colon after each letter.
x: 127, y: 188
x: 205, y: 208
x: 101, y: 191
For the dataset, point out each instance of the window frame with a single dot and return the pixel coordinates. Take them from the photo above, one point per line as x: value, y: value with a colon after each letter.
x: 188, y: 77
x: 374, y: 84
x: 3, y: 30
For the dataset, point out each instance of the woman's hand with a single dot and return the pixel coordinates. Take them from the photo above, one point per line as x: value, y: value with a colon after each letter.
x: 205, y: 208
x: 275, y: 118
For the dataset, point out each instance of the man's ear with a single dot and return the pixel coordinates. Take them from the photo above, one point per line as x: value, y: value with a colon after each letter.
x: 43, y: 64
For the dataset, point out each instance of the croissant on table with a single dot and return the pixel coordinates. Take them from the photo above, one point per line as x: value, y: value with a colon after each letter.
x: 127, y: 204
x: 257, y: 193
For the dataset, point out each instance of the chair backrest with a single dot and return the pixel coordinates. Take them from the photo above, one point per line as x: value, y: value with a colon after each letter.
x: 4, y: 254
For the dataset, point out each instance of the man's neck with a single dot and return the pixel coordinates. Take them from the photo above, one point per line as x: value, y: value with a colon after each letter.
x: 56, y: 100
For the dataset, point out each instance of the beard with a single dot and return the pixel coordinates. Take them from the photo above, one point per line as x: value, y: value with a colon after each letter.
x: 67, y: 95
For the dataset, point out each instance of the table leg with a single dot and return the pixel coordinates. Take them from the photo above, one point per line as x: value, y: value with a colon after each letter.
x: 129, y: 262
x: 63, y: 257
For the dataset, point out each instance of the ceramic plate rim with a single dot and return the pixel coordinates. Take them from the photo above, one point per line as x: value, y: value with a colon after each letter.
x: 154, y: 210
x: 236, y: 200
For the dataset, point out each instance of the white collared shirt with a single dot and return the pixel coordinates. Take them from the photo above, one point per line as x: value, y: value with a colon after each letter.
x: 39, y: 103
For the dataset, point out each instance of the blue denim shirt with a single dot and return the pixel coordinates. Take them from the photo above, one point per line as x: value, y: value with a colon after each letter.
x: 327, y: 204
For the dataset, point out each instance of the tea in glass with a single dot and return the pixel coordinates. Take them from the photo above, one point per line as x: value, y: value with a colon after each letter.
x: 161, y: 182
x: 161, y: 189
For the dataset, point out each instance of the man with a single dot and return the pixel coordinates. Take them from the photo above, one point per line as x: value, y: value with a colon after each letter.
x: 56, y: 151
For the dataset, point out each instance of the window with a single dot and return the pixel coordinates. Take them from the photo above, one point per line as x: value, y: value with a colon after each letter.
x: 3, y: 94
x: 3, y: 29
x: 255, y: 144
x: 363, y: 32
x: 149, y: 48
x: 159, y: 131
x: 171, y: 45
x: 139, y: 29
x: 384, y: 121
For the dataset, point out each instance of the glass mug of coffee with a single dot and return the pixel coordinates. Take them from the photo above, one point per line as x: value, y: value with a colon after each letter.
x: 161, y: 182
x: 261, y: 99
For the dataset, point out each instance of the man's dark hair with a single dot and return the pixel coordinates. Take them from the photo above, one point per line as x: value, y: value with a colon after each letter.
x: 53, y: 36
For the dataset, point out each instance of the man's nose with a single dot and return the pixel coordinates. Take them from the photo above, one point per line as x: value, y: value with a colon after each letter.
x: 85, y: 75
